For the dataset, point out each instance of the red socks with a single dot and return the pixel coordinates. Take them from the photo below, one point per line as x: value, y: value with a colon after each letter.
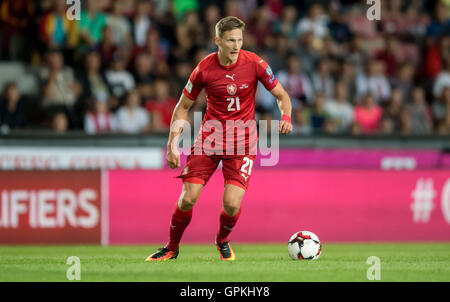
x: 226, y: 225
x: 180, y: 220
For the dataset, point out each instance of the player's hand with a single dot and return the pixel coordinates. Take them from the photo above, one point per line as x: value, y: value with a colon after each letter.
x: 173, y: 158
x: 284, y: 127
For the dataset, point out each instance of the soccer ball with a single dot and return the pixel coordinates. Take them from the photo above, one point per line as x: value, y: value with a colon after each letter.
x: 304, y: 245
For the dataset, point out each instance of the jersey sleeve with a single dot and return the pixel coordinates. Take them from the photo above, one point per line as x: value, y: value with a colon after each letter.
x: 265, y: 74
x: 194, y: 85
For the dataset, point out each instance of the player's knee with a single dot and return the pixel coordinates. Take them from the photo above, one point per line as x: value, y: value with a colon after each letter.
x: 231, y: 207
x: 187, y: 201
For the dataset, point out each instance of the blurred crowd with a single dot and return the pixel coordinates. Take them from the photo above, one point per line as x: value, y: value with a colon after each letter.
x: 122, y: 67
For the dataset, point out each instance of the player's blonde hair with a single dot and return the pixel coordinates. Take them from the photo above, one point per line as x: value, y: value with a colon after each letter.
x: 228, y: 23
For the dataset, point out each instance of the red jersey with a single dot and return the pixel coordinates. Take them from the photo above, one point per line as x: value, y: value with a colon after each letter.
x: 230, y: 96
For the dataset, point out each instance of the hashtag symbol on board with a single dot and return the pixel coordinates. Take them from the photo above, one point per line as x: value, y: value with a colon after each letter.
x: 423, y: 205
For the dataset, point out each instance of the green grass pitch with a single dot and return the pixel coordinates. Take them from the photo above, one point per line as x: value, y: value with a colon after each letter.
x: 256, y: 262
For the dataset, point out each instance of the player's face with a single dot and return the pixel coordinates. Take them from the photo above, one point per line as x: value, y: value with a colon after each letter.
x: 230, y: 44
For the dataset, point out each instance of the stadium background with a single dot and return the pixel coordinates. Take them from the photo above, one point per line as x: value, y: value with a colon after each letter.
x: 368, y: 160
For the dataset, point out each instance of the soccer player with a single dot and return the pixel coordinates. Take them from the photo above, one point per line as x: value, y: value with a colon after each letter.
x: 229, y: 77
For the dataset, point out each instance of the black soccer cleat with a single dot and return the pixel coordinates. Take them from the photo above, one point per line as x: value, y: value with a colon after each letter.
x: 163, y: 254
x: 225, y: 251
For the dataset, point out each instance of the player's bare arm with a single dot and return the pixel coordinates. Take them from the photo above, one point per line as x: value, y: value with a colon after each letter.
x: 179, y: 117
x: 285, y: 106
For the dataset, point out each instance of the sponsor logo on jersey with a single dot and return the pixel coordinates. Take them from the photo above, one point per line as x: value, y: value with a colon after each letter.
x: 231, y: 88
x: 230, y: 76
x: 188, y: 86
x: 243, y: 86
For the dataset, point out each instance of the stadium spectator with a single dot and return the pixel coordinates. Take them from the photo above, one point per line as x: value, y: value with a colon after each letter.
x: 92, y: 22
x: 357, y: 56
x: 119, y: 79
x: 100, y: 119
x: 440, y: 25
x: 211, y: 17
x: 12, y: 108
x: 308, y: 52
x: 179, y: 79
x: 131, y: 117
x: 394, y: 109
x: 142, y: 22
x: 194, y: 29
x: 161, y: 107
x: 417, y: 20
x: 15, y: 20
x: 236, y: 8
x: 337, y: 25
x: 107, y: 48
x: 92, y: 79
x: 444, y: 126
x: 55, y: 30
x: 275, y: 8
x: 320, y: 118
x: 302, y: 120
x: 145, y: 73
x: 404, y: 80
x: 154, y: 45
x: 129, y: 7
x: 277, y: 55
x: 180, y: 7
x: 340, y: 109
x: 368, y: 115
x: 285, y: 26
x: 60, y: 88
x: 420, y: 113
x: 316, y: 21
x: 296, y: 83
x: 60, y: 122
x: 120, y: 25
x: 260, y: 27
x: 406, y: 127
x: 442, y: 80
x: 386, y: 125
x: 389, y: 55
x: 374, y: 82
x: 322, y: 80
x: 360, y: 25
x: 441, y: 106
x: 347, y: 75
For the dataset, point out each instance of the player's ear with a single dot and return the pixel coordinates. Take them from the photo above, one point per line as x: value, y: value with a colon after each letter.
x: 217, y: 40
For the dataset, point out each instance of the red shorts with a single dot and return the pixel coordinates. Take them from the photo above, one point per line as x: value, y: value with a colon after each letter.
x: 236, y: 169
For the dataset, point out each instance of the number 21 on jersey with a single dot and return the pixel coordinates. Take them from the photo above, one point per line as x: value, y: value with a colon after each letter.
x: 233, y: 104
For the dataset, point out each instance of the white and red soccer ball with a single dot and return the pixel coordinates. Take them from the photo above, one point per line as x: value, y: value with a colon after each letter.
x: 304, y: 245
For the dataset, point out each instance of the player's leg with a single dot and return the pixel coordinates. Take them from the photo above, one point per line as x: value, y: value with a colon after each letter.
x: 181, y: 217
x: 232, y: 198
x: 195, y: 175
x: 236, y: 171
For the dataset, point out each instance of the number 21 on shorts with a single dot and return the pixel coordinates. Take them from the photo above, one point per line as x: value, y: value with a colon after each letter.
x: 246, y: 168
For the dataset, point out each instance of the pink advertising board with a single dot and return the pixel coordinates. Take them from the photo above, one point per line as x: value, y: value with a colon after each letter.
x: 338, y: 205
x: 386, y: 159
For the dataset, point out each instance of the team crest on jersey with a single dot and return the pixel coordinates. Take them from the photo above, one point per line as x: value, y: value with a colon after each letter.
x: 231, y: 88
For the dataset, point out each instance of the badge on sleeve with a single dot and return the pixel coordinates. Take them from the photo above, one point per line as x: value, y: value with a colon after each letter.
x: 188, y: 86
